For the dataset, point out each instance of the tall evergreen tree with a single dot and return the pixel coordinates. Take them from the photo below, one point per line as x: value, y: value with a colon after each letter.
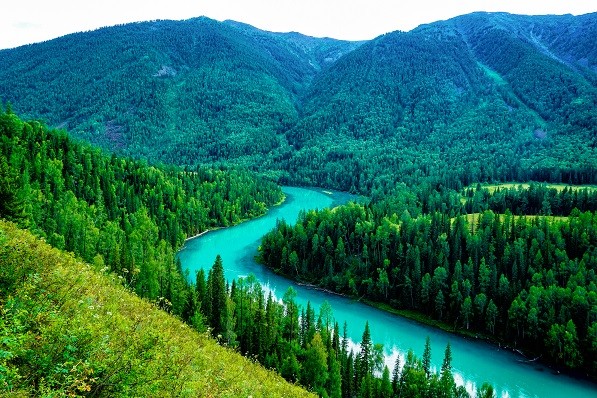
x: 219, y: 307
x: 427, y: 357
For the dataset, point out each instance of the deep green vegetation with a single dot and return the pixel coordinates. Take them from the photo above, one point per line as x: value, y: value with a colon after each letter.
x: 126, y: 218
x: 186, y: 92
x: 67, y: 330
x: 115, y: 212
x: 529, y: 282
x: 308, y: 348
x: 482, y: 97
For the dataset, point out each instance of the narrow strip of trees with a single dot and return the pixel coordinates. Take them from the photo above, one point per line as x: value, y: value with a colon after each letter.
x: 308, y: 347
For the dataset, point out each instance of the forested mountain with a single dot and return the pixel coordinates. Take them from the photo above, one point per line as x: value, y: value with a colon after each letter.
x: 181, y: 92
x: 492, y: 95
x: 484, y: 94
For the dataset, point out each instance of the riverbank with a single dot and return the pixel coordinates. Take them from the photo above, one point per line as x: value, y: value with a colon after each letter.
x: 314, y: 287
x: 527, y: 357
x: 198, y: 235
x: 240, y: 222
x: 425, y: 320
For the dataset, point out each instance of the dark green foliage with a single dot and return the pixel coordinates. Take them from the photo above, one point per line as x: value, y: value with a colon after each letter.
x: 217, y: 288
x: 441, y: 103
x: 312, y: 355
x: 120, y: 214
x: 11, y: 206
x: 185, y: 92
x: 529, y: 280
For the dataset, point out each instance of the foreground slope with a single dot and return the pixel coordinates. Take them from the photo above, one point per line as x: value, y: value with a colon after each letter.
x: 68, y: 329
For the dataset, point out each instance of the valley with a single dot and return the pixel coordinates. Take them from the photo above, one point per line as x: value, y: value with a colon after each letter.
x: 457, y: 164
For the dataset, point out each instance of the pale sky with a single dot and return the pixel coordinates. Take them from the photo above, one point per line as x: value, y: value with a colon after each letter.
x: 30, y: 21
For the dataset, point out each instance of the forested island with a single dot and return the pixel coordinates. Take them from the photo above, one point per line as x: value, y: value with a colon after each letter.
x: 473, y: 140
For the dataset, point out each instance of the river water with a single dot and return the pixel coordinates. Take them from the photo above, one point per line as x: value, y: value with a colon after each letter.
x: 474, y: 362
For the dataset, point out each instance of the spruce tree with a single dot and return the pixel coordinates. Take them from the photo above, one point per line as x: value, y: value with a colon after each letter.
x: 427, y: 356
x: 217, y: 283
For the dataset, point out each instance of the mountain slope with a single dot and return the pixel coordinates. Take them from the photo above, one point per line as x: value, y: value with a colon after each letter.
x: 485, y: 96
x: 482, y: 96
x: 67, y: 329
x: 174, y: 91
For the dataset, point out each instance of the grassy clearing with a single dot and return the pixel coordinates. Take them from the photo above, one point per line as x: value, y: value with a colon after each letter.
x: 525, y: 185
x: 473, y: 218
x: 69, y: 330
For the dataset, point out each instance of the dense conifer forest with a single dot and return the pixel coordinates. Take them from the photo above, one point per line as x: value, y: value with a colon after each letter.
x: 519, y: 269
x: 118, y: 213
x: 311, y: 349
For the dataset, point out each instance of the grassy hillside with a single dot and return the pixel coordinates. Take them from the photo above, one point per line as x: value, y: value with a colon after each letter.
x: 68, y: 329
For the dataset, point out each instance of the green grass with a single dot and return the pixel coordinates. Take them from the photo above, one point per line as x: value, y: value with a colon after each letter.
x: 525, y: 185
x: 69, y: 330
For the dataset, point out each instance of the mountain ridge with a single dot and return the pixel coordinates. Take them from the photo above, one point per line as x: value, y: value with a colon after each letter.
x: 310, y: 110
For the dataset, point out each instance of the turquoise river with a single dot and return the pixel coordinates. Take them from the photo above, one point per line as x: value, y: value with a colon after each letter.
x: 474, y: 361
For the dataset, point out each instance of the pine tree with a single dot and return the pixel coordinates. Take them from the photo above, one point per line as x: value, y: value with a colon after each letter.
x: 446, y: 378
x: 201, y: 289
x: 11, y: 206
x: 364, y: 363
x: 385, y: 389
x: 427, y: 357
x: 334, y: 384
x: 219, y: 306
x: 396, y: 375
